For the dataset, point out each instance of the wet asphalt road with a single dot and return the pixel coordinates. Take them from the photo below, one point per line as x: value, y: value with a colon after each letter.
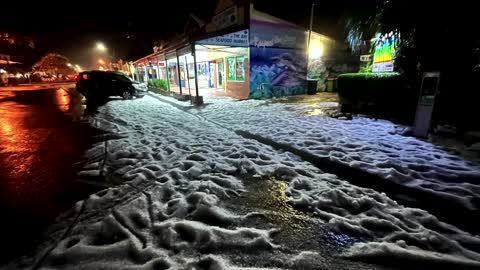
x: 42, y: 136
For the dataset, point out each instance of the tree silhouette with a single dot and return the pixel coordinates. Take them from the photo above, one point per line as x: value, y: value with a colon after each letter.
x: 53, y: 63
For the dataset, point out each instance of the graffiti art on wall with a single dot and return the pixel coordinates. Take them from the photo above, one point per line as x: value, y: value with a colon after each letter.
x: 277, y: 72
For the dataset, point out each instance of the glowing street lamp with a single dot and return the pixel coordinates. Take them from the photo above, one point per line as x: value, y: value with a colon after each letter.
x: 315, y: 51
x: 101, y: 47
x: 69, y: 65
x: 101, y: 61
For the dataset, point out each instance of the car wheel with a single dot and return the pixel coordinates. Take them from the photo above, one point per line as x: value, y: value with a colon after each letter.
x: 127, y: 95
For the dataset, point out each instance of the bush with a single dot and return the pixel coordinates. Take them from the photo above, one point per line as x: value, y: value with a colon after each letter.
x: 158, y: 83
x: 378, y: 94
x: 161, y: 84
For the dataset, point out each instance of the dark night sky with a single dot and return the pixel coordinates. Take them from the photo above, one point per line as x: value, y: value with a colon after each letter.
x: 73, y: 29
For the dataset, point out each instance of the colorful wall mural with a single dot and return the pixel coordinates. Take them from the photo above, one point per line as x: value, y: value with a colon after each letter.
x: 277, y: 72
x: 278, y: 64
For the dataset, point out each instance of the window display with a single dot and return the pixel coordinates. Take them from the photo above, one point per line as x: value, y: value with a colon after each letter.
x: 231, y: 73
x: 240, y: 73
x: 236, y: 68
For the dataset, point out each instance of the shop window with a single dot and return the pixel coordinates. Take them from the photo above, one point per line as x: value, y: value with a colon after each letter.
x: 231, y: 68
x: 191, y: 71
x: 240, y: 68
x: 236, y: 68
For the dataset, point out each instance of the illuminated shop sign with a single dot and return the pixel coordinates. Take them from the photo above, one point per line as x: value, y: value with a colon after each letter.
x: 239, y: 39
x: 383, y: 58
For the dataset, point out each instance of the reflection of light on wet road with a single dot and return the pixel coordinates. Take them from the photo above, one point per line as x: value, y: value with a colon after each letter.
x: 298, y: 227
x: 32, y: 127
x: 17, y: 142
x: 315, y: 112
x: 6, y: 128
x: 324, y: 103
x: 62, y: 99
x: 39, y: 143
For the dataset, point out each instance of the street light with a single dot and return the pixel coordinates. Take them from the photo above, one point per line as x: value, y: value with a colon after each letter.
x: 101, y: 47
x: 101, y: 61
x: 315, y: 51
x: 69, y: 65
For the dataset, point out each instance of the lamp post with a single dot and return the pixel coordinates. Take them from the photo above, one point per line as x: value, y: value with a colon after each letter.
x: 310, y: 30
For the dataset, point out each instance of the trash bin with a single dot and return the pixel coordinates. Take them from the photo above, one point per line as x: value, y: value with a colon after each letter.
x: 330, y: 84
x: 312, y: 87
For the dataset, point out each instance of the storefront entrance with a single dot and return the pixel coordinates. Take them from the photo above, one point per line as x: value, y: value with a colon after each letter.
x: 210, y: 77
x: 221, y: 70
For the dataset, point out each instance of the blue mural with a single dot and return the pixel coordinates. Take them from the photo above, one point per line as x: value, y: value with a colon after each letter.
x: 277, y: 72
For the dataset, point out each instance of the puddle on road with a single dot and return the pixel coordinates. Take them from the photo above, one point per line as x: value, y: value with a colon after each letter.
x: 324, y: 103
x: 298, y: 230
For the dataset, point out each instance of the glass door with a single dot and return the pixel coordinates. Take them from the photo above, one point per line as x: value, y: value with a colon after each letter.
x: 211, y: 79
x: 220, y: 76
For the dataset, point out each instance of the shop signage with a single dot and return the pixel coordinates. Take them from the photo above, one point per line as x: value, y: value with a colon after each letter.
x: 239, y: 39
x: 365, y: 57
x: 224, y: 19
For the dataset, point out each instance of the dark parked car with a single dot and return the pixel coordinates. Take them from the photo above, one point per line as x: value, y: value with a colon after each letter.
x: 103, y: 84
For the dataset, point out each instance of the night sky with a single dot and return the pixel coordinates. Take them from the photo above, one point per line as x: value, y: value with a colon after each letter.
x: 129, y: 29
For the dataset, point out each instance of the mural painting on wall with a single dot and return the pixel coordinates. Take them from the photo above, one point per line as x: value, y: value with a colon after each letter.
x: 277, y: 59
x: 279, y: 35
x: 317, y: 71
x: 277, y: 72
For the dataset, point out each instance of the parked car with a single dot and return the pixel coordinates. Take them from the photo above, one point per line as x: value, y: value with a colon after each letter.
x: 49, y: 78
x: 102, y: 84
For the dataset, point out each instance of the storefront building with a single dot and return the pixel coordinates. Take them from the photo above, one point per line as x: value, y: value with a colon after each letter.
x: 240, y: 53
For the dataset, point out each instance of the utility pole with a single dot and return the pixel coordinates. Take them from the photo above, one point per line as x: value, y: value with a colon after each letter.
x: 310, y: 30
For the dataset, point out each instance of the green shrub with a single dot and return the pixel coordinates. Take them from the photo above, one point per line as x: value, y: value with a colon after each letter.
x: 158, y: 84
x: 380, y: 94
x: 161, y: 84
x: 366, y: 69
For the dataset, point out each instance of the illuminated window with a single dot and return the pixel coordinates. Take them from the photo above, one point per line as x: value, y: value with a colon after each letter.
x: 231, y: 68
x: 236, y: 68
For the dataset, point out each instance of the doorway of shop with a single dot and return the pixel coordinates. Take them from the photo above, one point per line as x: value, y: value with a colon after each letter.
x: 222, y: 70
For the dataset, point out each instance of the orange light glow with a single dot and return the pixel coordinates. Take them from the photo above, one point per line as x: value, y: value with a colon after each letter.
x: 62, y: 99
